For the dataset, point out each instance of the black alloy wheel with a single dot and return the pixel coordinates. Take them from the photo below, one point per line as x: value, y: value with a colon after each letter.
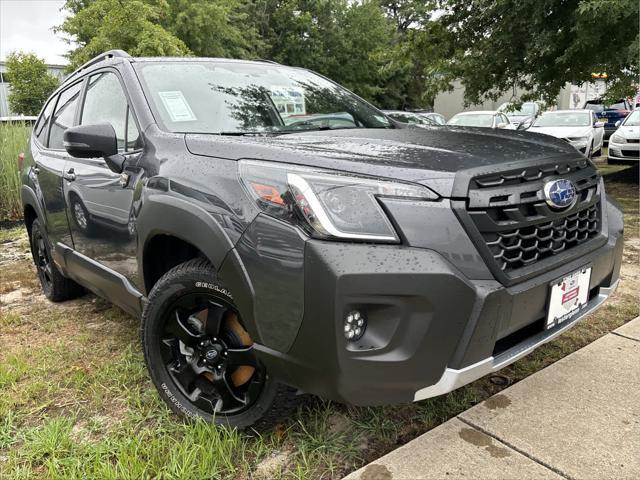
x: 206, y: 357
x: 42, y: 260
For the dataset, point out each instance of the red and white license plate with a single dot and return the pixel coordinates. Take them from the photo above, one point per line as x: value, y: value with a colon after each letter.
x: 568, y: 295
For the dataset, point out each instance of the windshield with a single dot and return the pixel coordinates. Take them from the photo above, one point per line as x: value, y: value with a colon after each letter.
x: 472, y: 120
x: 597, y: 106
x: 633, y: 120
x: 235, y: 98
x: 528, y: 109
x: 411, y: 118
x: 563, y: 119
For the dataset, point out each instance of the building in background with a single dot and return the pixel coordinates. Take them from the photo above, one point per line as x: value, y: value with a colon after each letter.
x: 55, y: 70
x: 570, y: 97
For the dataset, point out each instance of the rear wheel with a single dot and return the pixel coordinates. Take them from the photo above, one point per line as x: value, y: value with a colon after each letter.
x: 201, y: 358
x: 55, y: 286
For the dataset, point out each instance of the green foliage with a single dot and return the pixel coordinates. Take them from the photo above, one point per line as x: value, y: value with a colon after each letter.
x: 13, y: 141
x: 131, y: 25
x: 539, y: 46
x: 395, y: 53
x: 31, y: 84
x: 214, y: 28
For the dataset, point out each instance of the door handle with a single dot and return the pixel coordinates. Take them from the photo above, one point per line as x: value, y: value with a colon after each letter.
x: 69, y: 175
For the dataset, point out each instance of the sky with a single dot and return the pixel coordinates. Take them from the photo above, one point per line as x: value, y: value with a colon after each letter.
x: 26, y: 25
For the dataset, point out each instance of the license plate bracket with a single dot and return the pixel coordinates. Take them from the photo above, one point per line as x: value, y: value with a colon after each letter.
x: 567, y: 296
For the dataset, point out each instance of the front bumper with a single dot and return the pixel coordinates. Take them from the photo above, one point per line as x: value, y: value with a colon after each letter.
x: 455, y: 378
x: 431, y: 329
x: 624, y: 151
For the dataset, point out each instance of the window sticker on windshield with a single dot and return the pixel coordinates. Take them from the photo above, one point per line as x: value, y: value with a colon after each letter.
x: 288, y: 100
x: 176, y: 105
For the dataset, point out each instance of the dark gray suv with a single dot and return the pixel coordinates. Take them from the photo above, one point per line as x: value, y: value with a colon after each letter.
x: 277, y: 234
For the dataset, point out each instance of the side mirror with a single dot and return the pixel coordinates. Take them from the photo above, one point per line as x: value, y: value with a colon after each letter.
x: 618, y: 123
x: 503, y: 125
x: 91, y: 141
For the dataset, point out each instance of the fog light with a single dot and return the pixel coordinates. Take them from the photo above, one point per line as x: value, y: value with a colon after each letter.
x: 354, y: 326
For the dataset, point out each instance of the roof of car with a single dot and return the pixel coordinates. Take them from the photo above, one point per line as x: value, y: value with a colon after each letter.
x: 476, y: 112
x: 574, y: 110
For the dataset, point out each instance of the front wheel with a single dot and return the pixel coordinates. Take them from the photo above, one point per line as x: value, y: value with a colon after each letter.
x: 200, y: 357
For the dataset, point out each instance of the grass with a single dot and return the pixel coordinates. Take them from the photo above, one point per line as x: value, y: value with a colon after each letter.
x: 76, y: 401
x: 13, y: 140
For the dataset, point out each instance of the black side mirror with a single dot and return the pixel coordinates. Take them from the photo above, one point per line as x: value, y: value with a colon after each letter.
x: 91, y: 141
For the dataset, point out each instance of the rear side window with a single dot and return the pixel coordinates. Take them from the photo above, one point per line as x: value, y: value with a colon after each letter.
x: 42, y: 126
x: 64, y: 115
x: 106, y: 102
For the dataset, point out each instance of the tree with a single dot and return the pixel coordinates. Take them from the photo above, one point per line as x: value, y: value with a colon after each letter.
x: 539, y: 46
x: 343, y: 40
x: 131, y: 25
x: 214, y: 28
x: 31, y: 83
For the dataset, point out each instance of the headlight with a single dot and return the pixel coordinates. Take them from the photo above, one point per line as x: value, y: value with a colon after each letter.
x: 327, y: 204
x: 617, y: 138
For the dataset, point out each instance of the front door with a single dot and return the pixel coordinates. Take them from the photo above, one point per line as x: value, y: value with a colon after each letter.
x: 50, y: 158
x: 100, y: 202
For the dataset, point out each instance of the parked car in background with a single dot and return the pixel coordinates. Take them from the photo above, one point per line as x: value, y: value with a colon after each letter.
x: 522, y: 117
x: 609, y: 115
x: 580, y: 128
x: 482, y: 118
x: 436, y: 117
x: 624, y: 144
x: 410, y: 118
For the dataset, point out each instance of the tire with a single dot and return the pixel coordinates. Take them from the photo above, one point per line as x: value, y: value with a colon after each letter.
x: 190, y: 313
x: 55, y: 286
x: 80, y: 215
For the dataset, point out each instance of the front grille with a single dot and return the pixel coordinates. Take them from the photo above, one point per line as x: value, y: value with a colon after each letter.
x: 523, y: 246
x: 633, y: 140
x: 518, y: 228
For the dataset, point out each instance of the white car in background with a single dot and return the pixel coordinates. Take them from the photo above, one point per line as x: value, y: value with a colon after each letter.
x: 578, y: 127
x: 481, y: 118
x: 624, y: 143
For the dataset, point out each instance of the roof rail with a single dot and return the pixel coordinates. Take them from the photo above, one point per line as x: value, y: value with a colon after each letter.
x: 99, y: 58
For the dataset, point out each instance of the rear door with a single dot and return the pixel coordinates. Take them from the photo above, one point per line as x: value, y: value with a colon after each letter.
x: 50, y: 157
x: 100, y: 201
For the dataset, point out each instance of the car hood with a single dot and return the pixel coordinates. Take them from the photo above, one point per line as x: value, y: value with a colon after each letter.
x: 562, y: 132
x: 430, y: 156
x: 628, y: 131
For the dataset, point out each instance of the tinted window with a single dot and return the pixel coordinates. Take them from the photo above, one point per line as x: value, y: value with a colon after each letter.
x: 64, y: 115
x: 42, y: 126
x: 105, y: 102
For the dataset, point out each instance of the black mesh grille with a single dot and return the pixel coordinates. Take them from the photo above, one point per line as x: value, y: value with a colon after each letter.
x: 523, y: 246
x: 516, y: 224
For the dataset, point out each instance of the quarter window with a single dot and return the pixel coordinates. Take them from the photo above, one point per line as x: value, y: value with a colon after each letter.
x: 42, y: 126
x: 106, y: 102
x: 64, y: 115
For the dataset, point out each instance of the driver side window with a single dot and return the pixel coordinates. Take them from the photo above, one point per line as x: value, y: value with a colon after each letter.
x: 105, y: 101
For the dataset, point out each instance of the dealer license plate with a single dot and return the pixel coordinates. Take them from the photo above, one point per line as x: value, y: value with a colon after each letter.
x: 568, y: 296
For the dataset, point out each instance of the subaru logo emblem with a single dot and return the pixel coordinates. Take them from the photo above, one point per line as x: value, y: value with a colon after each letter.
x: 560, y: 193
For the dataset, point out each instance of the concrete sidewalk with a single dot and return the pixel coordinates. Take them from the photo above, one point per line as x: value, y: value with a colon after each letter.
x: 578, y: 418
